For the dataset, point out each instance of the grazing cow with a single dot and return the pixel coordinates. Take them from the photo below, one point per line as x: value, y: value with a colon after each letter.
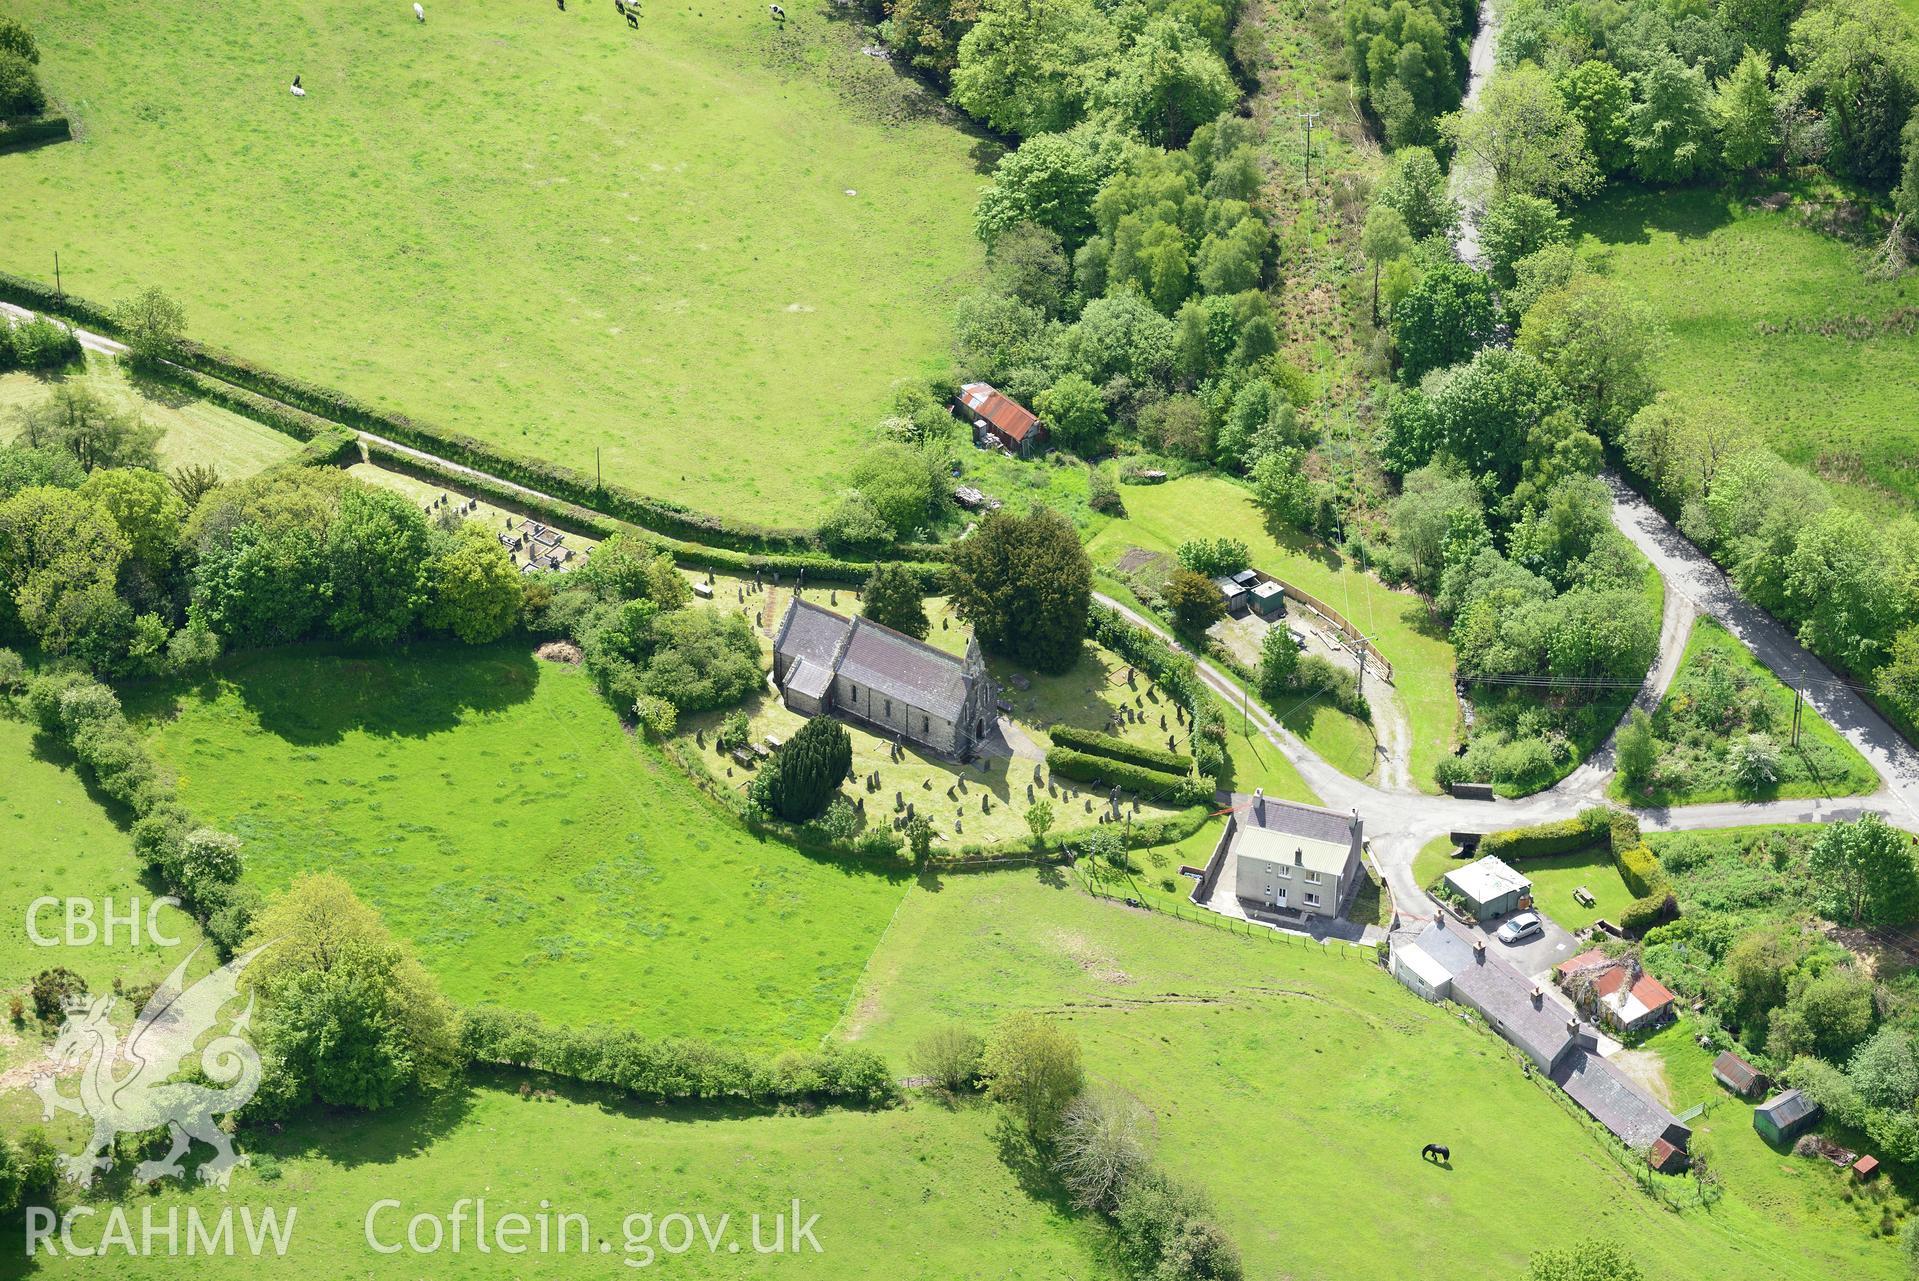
x: 1435, y: 1152
x: 298, y: 92
x: 419, y: 13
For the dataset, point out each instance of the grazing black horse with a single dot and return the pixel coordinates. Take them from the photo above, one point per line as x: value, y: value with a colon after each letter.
x: 1434, y: 1152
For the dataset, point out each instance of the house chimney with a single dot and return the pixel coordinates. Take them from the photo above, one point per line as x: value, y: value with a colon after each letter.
x: 1259, y: 805
x: 1538, y: 998
x: 1299, y: 857
x: 1572, y: 1027
x: 1479, y: 950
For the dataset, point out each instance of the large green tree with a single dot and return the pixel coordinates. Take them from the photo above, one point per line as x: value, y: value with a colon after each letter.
x: 1416, y: 187
x: 1024, y: 584
x: 805, y: 775
x: 1863, y: 872
x: 60, y: 558
x: 1522, y: 131
x: 1029, y: 67
x: 1746, y: 115
x: 349, y: 1016
x: 894, y: 598
x: 1443, y: 319
x: 1166, y: 84
x: 377, y: 552
x: 474, y: 590
x: 1600, y: 345
x: 1032, y: 1068
x: 1862, y: 62
x: 1670, y: 125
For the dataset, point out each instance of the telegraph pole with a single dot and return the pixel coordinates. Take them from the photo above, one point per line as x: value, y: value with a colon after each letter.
x: 1309, y: 116
x: 1798, y: 702
x: 58, y: 293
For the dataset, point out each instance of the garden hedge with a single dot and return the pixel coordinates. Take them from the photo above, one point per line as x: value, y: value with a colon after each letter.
x: 1546, y: 839
x: 1639, y: 869
x: 1095, y: 743
x: 1143, y: 782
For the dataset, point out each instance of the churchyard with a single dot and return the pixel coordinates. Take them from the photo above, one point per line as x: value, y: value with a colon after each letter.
x: 977, y: 804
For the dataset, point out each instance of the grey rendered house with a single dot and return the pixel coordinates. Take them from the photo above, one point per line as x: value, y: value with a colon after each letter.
x: 1293, y: 859
x: 826, y: 662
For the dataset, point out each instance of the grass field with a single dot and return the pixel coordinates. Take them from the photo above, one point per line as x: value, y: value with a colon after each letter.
x: 1161, y: 517
x: 492, y: 808
x: 707, y: 248
x: 1694, y: 753
x: 61, y: 843
x: 1775, y: 323
x: 916, y: 1192
x: 193, y: 430
x: 1556, y: 877
x: 1286, y: 1075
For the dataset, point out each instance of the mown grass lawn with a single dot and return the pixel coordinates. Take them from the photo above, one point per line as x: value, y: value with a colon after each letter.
x: 1289, y: 1079
x: 1777, y: 325
x: 706, y: 249
x: 1696, y: 738
x: 192, y: 430
x: 909, y: 1192
x: 1555, y: 878
x: 494, y: 810
x: 1161, y: 517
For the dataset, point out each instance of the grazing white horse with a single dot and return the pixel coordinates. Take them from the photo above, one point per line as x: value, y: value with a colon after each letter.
x: 419, y: 13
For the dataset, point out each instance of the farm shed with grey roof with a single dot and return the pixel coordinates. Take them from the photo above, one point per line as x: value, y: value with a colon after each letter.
x: 1781, y: 1118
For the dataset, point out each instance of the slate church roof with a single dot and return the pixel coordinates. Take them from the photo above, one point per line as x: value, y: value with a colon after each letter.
x: 889, y: 663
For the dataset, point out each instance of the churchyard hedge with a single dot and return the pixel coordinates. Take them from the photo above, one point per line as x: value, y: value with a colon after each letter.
x: 1142, y: 781
x: 1095, y: 743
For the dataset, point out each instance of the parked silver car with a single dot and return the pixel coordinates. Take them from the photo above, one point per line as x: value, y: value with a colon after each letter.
x: 1522, y: 927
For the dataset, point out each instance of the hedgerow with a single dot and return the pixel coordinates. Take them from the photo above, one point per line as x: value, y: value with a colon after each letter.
x: 1546, y: 839
x: 1095, y: 743
x: 1175, y: 673
x: 1141, y: 780
x: 85, y: 716
x: 673, y: 1069
x: 658, y: 515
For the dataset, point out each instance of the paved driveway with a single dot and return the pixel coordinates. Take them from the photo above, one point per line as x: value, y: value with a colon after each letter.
x: 1535, y: 957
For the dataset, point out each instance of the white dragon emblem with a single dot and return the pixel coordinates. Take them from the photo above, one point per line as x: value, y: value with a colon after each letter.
x: 145, y: 1098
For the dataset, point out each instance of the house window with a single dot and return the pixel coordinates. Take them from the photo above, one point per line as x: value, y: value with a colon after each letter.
x: 1312, y: 878
x: 1312, y: 900
x: 889, y: 709
x: 926, y: 726
x: 852, y: 691
x: 1285, y: 870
